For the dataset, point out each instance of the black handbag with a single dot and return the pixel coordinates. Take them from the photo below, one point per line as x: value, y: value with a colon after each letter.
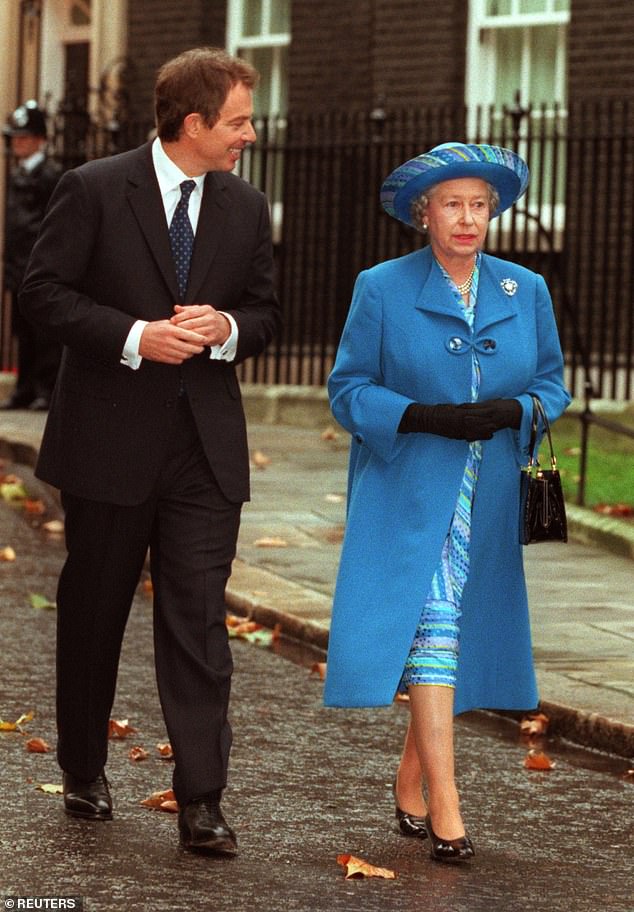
x: 542, y: 506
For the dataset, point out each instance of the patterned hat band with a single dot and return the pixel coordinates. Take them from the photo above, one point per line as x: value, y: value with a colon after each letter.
x: 504, y: 169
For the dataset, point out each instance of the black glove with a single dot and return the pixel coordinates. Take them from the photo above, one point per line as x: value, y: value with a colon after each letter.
x: 458, y: 422
x: 505, y: 413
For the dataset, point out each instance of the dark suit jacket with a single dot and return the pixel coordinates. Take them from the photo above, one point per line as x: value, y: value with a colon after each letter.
x: 102, y: 261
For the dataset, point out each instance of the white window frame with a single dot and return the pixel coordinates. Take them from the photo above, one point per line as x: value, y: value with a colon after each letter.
x: 480, y: 81
x: 238, y: 42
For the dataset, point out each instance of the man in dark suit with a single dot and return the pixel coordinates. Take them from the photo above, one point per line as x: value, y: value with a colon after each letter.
x: 29, y: 187
x: 146, y: 433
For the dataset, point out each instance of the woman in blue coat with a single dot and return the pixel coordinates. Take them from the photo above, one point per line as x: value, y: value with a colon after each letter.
x: 440, y: 355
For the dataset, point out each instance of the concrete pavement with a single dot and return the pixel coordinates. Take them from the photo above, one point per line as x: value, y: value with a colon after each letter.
x: 581, y: 594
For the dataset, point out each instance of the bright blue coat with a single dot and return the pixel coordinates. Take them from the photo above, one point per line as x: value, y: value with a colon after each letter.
x: 406, y: 341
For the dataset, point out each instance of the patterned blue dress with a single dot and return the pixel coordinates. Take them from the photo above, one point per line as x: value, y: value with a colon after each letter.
x: 433, y: 657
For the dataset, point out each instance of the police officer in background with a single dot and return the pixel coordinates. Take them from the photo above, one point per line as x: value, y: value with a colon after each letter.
x: 29, y: 188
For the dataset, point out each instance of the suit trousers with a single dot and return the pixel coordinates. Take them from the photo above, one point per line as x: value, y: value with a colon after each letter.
x: 191, y: 530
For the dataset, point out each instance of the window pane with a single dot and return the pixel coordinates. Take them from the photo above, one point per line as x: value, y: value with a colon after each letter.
x: 498, y: 7
x: 509, y: 65
x: 252, y: 17
x: 262, y: 60
x: 543, y: 63
x: 280, y: 16
x: 533, y: 6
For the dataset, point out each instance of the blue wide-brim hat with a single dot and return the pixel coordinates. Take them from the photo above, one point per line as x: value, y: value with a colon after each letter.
x: 502, y: 168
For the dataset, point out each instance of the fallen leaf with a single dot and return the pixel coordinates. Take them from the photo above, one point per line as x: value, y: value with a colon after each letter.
x: 137, y: 753
x: 534, y: 724
x: 330, y: 433
x: 357, y: 867
x: 165, y: 750
x: 37, y: 746
x: 402, y: 698
x: 319, y: 668
x: 616, y: 509
x: 538, y: 760
x: 260, y: 460
x: 17, y: 725
x: 270, y: 542
x: 7, y: 554
x: 162, y: 801
x: 10, y: 478
x: 34, y: 507
x: 53, y: 526
x: 41, y: 602
x: 335, y: 535
x: 50, y: 789
x: 12, y: 490
x: 147, y: 586
x: 119, y: 728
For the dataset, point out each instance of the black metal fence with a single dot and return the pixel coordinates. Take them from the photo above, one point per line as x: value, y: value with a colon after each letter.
x: 322, y: 174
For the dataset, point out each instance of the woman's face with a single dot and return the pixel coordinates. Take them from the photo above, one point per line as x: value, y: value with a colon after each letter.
x: 457, y: 218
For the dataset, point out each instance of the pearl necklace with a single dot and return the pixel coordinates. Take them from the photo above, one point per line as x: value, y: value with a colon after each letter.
x: 465, y: 287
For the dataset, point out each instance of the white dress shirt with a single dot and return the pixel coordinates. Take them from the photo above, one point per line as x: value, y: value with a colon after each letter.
x: 170, y: 177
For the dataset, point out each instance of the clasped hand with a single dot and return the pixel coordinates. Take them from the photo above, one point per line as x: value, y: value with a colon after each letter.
x: 467, y: 421
x: 185, y: 334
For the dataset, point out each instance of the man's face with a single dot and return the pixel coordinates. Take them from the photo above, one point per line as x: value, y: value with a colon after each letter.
x: 25, y: 145
x: 219, y: 147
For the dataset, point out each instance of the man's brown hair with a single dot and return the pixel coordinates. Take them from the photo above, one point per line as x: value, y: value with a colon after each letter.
x: 197, y: 82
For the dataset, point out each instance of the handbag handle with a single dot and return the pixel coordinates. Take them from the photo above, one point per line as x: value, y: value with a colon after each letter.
x: 539, y: 412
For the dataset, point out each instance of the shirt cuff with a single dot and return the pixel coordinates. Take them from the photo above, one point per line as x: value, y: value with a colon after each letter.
x: 226, y: 351
x: 130, y: 356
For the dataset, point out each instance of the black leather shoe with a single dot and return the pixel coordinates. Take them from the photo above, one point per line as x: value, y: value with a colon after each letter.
x: 409, y: 824
x: 90, y: 800
x: 202, y: 827
x: 449, y: 850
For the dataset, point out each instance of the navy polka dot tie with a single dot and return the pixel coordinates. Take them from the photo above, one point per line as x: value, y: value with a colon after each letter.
x: 182, y: 237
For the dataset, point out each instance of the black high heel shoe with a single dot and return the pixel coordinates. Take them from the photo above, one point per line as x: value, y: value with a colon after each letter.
x: 448, y: 850
x: 409, y: 824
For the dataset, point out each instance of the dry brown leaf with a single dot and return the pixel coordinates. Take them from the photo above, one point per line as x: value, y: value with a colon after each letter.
x: 319, y: 668
x: 37, y: 746
x: 270, y: 542
x: 534, y: 724
x: 538, y: 760
x: 330, y: 433
x: 119, y: 728
x: 137, y: 753
x: 402, y: 698
x: 165, y: 750
x: 7, y: 554
x: 357, y: 867
x: 260, y: 460
x: 147, y: 586
x: 53, y: 526
x: 17, y: 725
x: 162, y: 801
x: 334, y: 535
x: 34, y: 507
